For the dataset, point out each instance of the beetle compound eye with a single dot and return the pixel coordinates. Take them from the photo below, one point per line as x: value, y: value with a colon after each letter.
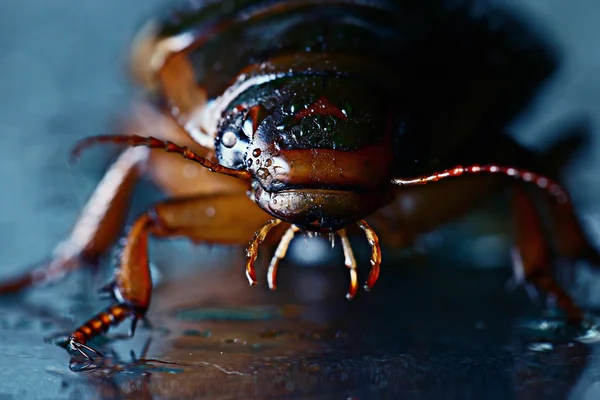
x: 229, y: 139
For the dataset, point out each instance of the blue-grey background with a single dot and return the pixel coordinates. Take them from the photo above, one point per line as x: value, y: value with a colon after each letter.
x: 63, y: 76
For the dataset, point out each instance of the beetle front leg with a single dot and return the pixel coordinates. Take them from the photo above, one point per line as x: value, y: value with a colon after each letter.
x: 533, y: 263
x: 132, y: 288
x: 224, y: 218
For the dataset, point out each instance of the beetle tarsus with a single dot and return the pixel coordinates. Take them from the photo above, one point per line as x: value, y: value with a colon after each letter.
x: 133, y: 327
x: 375, y: 254
x: 95, y: 326
x: 252, y: 250
x: 84, y: 349
x: 280, y: 253
x: 89, y: 354
x: 350, y: 262
x: 531, y: 257
x: 543, y: 280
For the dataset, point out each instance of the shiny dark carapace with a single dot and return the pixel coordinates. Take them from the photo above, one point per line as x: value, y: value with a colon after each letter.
x: 322, y: 116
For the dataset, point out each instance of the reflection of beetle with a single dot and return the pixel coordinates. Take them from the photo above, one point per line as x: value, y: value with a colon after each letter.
x: 320, y: 112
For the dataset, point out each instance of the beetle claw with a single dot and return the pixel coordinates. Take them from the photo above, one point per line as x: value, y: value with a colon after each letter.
x: 133, y: 326
x: 252, y: 250
x: 86, y: 351
x: 350, y: 262
x: 280, y: 253
x: 375, y: 254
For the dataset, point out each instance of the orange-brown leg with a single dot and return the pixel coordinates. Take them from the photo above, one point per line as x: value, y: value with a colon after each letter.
x: 96, y: 229
x: 569, y: 236
x: 533, y: 255
x: 223, y: 218
x: 131, y: 287
x: 349, y: 260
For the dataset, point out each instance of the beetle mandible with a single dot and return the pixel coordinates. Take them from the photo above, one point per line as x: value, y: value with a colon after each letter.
x: 315, y: 116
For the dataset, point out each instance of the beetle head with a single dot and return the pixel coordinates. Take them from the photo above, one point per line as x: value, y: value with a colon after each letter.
x: 318, y: 148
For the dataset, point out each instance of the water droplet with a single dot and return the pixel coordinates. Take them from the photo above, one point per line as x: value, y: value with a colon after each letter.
x: 268, y: 162
x: 248, y: 128
x: 275, y: 148
x: 229, y: 139
x: 256, y: 152
x: 262, y: 173
x: 347, y: 109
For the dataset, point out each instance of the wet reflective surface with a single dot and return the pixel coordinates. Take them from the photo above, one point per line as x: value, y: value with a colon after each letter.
x: 428, y: 329
x: 424, y: 332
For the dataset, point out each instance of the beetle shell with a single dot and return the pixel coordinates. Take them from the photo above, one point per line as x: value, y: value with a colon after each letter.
x: 340, y: 96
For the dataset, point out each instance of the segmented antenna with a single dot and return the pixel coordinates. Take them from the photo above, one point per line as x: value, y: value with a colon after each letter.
x: 154, y: 143
x: 541, y: 181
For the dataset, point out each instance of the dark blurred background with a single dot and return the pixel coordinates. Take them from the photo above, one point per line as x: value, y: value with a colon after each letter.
x: 63, y: 76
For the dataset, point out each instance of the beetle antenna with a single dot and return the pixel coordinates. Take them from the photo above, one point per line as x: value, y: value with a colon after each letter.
x: 541, y: 181
x: 154, y: 143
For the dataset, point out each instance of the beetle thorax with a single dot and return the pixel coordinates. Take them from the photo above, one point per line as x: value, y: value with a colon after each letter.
x: 318, y: 149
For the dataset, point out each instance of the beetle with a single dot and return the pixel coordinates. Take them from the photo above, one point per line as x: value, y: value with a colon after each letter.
x: 313, y: 116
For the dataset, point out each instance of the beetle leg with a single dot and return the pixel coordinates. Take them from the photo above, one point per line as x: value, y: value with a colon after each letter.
x: 570, y: 238
x: 252, y: 250
x: 96, y: 325
x: 96, y: 229
x: 132, y: 287
x: 350, y: 262
x: 280, y: 254
x: 534, y: 254
x: 375, y: 254
x: 211, y: 218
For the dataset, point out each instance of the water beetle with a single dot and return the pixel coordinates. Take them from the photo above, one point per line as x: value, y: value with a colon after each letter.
x: 314, y: 116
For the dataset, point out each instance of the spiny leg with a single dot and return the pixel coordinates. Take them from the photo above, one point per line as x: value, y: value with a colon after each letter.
x: 350, y: 262
x: 131, y: 287
x: 279, y: 255
x: 375, y: 254
x: 252, y: 250
x: 570, y: 238
x: 533, y: 249
x: 201, y: 219
x: 100, y: 323
x: 536, y: 270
